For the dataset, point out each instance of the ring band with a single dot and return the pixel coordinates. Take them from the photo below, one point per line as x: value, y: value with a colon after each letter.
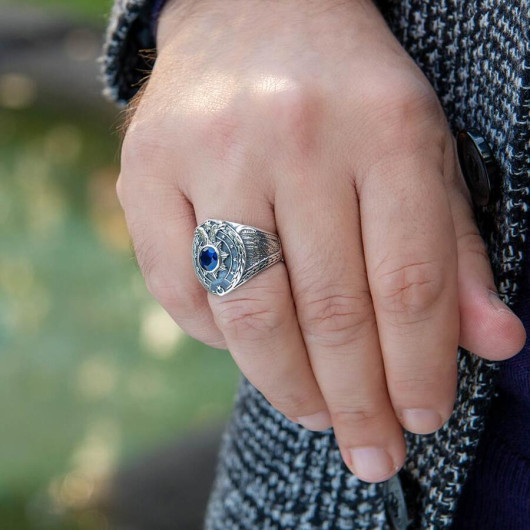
x: 226, y: 254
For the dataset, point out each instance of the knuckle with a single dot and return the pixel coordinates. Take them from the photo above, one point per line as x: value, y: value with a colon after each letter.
x: 407, y: 103
x: 292, y: 403
x: 147, y: 257
x: 171, y: 294
x: 357, y: 416
x: 473, y: 243
x: 291, y: 113
x: 183, y: 306
x: 423, y: 391
x: 248, y: 319
x: 433, y: 379
x: 291, y: 106
x: 412, y: 289
x: 336, y: 318
x: 121, y: 190
x: 218, y: 133
x: 415, y: 383
x: 205, y: 334
x: 165, y: 291
x: 296, y: 114
x: 127, y: 192
x: 405, y: 119
x: 142, y: 145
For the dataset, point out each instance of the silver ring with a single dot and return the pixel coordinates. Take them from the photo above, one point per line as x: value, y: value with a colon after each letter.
x: 226, y: 254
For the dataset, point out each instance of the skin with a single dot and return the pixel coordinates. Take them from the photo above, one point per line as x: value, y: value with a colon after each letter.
x: 308, y: 119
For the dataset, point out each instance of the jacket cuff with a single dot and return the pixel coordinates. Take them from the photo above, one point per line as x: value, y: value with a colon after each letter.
x: 129, y: 39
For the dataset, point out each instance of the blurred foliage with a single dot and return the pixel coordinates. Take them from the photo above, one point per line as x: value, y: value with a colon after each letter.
x: 93, y: 9
x: 92, y: 371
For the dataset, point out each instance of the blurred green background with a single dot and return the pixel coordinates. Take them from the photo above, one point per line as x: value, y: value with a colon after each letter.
x: 87, y: 9
x: 93, y: 374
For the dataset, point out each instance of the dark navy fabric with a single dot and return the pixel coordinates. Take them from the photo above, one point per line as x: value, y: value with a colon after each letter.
x: 497, y: 492
x: 155, y: 14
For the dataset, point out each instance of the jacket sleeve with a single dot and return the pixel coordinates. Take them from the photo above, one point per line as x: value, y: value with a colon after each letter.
x: 129, y: 38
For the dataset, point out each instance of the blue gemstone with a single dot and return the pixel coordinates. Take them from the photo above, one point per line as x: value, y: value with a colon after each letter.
x: 208, y: 258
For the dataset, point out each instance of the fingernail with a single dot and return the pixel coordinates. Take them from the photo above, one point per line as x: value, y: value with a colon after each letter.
x: 497, y: 303
x: 316, y: 422
x: 421, y: 421
x: 372, y: 464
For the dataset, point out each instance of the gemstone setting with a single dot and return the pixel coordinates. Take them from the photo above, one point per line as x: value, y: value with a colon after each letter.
x: 209, y: 258
x: 219, y: 256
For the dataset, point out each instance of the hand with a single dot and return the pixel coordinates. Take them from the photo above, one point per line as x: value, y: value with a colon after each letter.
x: 308, y: 119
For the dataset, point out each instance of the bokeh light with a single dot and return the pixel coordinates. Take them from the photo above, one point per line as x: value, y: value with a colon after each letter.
x: 94, y: 375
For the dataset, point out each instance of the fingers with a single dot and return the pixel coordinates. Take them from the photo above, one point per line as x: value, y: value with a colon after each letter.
x: 259, y: 320
x: 161, y: 223
x: 411, y: 257
x: 487, y: 326
x: 323, y: 251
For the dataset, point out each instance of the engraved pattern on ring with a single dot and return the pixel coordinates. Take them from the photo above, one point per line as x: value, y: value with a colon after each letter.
x: 239, y: 253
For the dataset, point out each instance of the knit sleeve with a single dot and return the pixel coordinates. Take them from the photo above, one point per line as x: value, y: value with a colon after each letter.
x: 129, y: 39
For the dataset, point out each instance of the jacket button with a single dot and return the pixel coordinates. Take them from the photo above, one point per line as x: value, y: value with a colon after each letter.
x: 395, y: 504
x: 478, y: 166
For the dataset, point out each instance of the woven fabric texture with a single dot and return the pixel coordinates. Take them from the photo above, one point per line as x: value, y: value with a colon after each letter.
x: 273, y: 474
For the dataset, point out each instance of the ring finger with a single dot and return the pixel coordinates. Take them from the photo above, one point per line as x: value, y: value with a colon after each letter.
x: 258, y: 319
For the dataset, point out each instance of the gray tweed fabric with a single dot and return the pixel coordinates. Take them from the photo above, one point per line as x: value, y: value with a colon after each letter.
x: 273, y: 474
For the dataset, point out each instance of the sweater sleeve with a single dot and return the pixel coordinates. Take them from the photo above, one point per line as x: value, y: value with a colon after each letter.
x: 129, y: 38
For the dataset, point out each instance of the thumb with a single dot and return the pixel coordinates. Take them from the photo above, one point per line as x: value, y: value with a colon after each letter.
x: 488, y: 327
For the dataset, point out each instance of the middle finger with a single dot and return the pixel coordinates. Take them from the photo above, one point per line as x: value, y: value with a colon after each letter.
x: 258, y: 319
x: 318, y: 222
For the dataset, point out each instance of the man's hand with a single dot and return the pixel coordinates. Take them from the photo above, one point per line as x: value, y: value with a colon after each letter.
x: 308, y: 119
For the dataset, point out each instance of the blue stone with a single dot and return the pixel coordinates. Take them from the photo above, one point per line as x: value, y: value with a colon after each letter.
x: 208, y: 258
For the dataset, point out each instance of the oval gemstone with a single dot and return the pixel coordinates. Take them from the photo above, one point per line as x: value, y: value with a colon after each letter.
x: 208, y: 258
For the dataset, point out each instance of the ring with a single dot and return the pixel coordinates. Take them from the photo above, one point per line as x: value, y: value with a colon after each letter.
x: 226, y: 254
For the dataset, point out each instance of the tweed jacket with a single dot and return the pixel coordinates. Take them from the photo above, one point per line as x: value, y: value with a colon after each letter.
x: 273, y: 474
